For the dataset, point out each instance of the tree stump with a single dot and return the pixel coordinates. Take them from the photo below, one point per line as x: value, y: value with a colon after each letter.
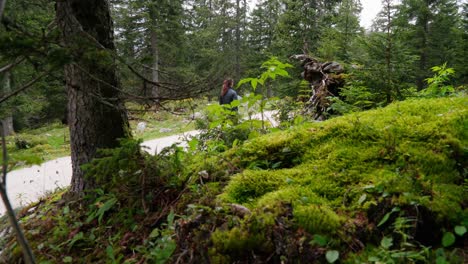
x: 325, y: 80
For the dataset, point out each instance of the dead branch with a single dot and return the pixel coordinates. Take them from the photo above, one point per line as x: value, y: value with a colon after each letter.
x: 12, y: 65
x: 26, y: 86
x: 27, y: 252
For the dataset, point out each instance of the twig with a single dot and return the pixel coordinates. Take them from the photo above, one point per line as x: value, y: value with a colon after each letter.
x: 2, y: 7
x: 27, y: 252
x: 24, y: 87
x: 11, y: 65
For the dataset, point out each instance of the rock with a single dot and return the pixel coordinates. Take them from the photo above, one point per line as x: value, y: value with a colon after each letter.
x: 204, y: 174
x: 165, y: 130
x: 196, y: 115
x: 141, y: 127
x: 240, y: 210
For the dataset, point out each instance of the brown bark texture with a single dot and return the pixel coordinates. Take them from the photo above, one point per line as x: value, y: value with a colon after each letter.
x: 96, y: 114
x: 325, y: 81
x: 7, y: 120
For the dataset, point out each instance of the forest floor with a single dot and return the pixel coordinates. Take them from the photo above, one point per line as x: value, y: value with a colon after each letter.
x: 380, y: 186
x: 28, y: 184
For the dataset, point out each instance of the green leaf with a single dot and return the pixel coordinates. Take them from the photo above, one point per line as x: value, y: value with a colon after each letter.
x: 235, y: 103
x: 170, y: 218
x: 261, y: 81
x: 67, y: 259
x: 110, y: 253
x: 441, y: 260
x: 448, y: 239
x: 460, y: 230
x: 254, y: 83
x: 76, y: 238
x: 245, y: 80
x: 386, y: 242
x: 362, y: 199
x: 106, y: 207
x: 154, y: 233
x: 66, y: 210
x: 387, y: 216
x: 193, y: 143
x: 384, y: 219
x: 282, y: 72
x: 332, y: 256
x: 320, y: 240
x: 215, y: 123
x: 235, y: 143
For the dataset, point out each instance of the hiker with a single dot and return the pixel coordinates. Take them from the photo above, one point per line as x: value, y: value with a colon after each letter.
x: 228, y: 94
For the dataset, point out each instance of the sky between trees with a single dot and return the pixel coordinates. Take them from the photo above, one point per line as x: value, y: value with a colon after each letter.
x: 370, y: 8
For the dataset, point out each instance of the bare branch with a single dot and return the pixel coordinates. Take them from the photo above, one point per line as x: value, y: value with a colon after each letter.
x: 11, y: 65
x: 156, y: 99
x: 27, y: 252
x: 24, y: 87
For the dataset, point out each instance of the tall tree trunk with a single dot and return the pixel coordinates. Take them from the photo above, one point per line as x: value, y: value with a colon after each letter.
x: 8, y: 120
x: 423, y: 22
x: 238, y: 39
x: 388, y: 52
x: 96, y: 115
x: 154, y: 53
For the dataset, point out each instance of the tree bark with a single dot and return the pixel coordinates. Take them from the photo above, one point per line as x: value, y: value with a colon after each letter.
x: 154, y: 53
x: 8, y: 120
x: 96, y: 114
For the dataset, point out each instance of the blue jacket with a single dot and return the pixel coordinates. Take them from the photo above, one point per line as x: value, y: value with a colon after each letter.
x: 230, y: 96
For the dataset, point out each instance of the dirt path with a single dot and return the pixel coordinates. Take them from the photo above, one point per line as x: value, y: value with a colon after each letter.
x: 29, y: 184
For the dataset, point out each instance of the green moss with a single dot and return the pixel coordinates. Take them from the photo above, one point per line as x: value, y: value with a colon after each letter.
x: 249, y: 185
x: 250, y: 235
x: 294, y: 194
x: 412, y: 152
x: 317, y: 219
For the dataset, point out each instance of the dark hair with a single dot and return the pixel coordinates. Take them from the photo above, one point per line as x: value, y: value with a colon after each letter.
x: 227, y: 83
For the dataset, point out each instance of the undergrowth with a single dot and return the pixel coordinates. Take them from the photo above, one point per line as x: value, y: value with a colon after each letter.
x: 382, y: 186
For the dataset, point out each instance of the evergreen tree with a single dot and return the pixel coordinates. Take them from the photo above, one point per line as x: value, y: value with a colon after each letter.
x: 216, y: 33
x: 432, y: 28
x: 262, y: 29
x: 301, y: 25
x: 150, y: 35
x: 339, y: 41
x: 28, y: 44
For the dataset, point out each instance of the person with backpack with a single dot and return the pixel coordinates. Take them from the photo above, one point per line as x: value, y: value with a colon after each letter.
x: 228, y: 94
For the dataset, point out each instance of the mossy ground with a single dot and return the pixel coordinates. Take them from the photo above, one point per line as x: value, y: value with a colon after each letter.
x: 385, y: 186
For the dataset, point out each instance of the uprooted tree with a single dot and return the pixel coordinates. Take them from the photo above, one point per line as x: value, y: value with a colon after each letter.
x: 325, y: 80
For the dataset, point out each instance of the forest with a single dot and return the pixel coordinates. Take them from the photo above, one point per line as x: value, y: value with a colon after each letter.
x: 349, y: 145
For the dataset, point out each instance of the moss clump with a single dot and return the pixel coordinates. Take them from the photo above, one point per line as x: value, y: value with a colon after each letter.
x: 317, y: 219
x: 249, y: 185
